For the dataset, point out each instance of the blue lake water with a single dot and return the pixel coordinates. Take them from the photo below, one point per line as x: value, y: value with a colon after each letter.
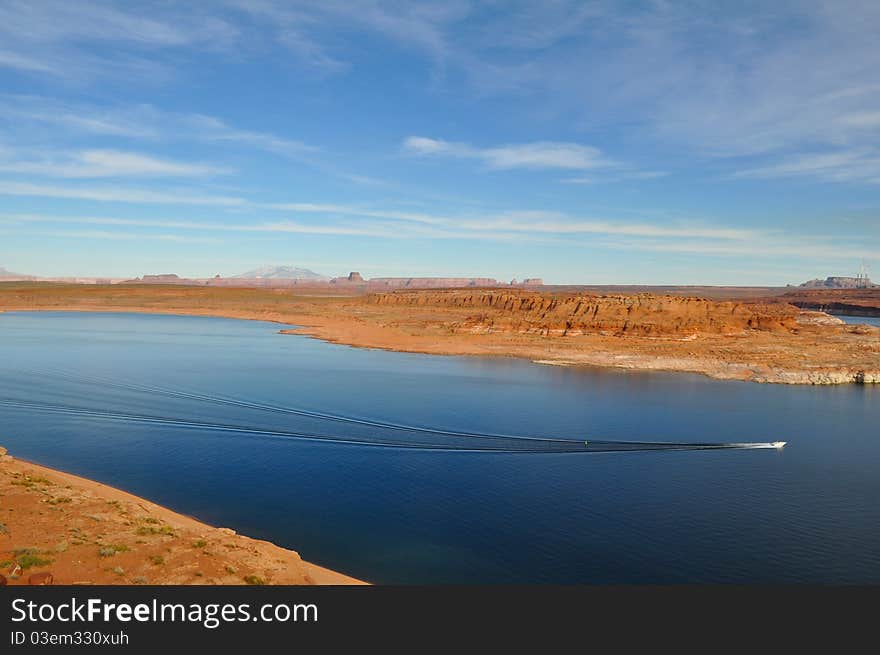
x: 866, y: 320
x: 129, y: 400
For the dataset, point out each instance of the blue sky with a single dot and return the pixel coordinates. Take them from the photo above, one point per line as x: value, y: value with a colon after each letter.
x: 609, y: 142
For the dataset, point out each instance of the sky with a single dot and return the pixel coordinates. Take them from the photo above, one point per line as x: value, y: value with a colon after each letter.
x: 580, y: 142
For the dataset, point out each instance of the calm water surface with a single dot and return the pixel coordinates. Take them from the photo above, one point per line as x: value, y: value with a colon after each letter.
x: 393, y: 515
x: 866, y: 320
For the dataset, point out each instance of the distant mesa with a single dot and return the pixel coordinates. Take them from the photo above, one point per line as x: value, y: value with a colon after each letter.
x: 280, y: 277
x: 417, y: 282
x: 162, y: 278
x: 378, y: 283
x: 282, y: 273
x: 839, y: 282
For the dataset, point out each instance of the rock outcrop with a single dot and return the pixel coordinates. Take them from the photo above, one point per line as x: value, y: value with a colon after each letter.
x: 162, y: 278
x: 839, y: 282
x: 569, y: 315
x: 433, y: 282
x: 853, y: 302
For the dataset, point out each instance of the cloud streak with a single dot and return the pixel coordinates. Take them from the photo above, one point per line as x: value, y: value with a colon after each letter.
x: 109, y: 163
x: 537, y: 155
x: 31, y: 115
x: 538, y: 222
x: 599, y: 235
x: 117, y: 194
x: 512, y: 226
x: 730, y: 80
x: 852, y: 166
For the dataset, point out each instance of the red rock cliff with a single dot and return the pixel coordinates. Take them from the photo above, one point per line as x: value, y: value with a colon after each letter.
x: 639, y: 314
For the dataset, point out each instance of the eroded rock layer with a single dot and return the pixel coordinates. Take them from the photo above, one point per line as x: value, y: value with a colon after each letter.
x: 640, y: 314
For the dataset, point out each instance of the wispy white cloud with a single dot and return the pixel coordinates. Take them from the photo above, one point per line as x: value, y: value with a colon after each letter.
x: 53, y: 21
x: 73, y: 122
x: 210, y: 128
x: 107, y: 164
x: 349, y: 210
x: 113, y: 236
x: 729, y: 80
x: 536, y: 222
x: 827, y: 249
x: 141, y: 122
x: 20, y: 62
x: 306, y: 28
x: 862, y: 165
x: 118, y: 194
x: 621, y: 176
x: 537, y: 155
x: 509, y: 226
x: 691, y: 241
x: 373, y: 229
x: 861, y: 119
x: 59, y: 38
x: 558, y: 223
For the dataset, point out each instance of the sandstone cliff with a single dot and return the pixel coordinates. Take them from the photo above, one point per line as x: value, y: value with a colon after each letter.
x: 569, y: 315
x: 855, y: 302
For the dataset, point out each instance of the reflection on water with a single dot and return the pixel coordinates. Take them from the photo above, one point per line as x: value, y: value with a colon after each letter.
x: 206, y: 416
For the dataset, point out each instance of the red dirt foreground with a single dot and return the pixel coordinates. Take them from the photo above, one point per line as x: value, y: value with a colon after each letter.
x: 57, y: 528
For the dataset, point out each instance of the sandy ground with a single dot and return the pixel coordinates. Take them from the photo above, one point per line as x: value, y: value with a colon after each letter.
x: 84, y: 532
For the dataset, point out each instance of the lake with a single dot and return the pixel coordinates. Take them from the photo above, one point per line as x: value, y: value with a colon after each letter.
x: 865, y: 320
x: 202, y: 415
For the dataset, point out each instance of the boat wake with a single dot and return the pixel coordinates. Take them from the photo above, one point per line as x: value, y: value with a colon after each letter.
x: 405, y: 436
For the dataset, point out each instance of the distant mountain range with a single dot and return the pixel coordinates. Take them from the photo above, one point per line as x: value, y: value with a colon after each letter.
x: 282, y: 273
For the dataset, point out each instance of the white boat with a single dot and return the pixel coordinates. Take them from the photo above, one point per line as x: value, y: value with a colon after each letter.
x: 778, y: 445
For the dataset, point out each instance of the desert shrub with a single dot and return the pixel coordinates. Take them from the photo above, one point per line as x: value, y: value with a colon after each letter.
x: 112, y: 549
